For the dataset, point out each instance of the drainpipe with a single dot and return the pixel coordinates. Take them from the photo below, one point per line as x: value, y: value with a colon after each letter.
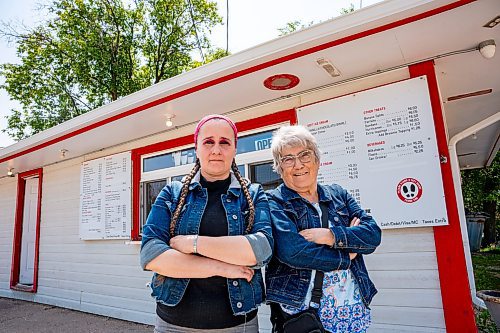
x: 455, y: 168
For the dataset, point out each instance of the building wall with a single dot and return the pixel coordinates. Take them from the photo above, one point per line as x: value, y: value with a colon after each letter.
x: 404, y: 269
x: 8, y: 189
x: 101, y: 277
x: 104, y: 277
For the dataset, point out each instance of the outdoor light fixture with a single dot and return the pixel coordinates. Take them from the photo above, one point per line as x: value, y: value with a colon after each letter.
x: 493, y: 23
x: 10, y: 173
x: 328, y: 67
x: 487, y: 48
x: 169, y: 122
x: 281, y: 82
x: 474, y: 136
x: 63, y: 153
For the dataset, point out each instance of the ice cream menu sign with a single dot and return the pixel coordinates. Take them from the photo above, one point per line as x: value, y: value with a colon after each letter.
x: 380, y: 145
x: 105, y: 198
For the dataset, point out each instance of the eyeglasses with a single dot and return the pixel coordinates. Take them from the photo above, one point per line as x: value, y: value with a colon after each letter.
x: 304, y: 156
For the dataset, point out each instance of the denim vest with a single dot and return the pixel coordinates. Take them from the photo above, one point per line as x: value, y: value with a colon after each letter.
x: 244, y: 296
x: 289, y: 273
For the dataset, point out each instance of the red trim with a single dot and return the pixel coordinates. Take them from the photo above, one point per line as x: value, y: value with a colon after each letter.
x: 18, y: 230
x: 245, y: 72
x: 242, y: 126
x: 455, y: 291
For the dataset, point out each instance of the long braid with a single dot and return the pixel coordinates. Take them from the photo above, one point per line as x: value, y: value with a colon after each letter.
x: 182, y: 198
x: 251, y: 207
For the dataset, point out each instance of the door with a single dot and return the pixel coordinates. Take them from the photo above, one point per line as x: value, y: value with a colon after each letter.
x: 28, y: 238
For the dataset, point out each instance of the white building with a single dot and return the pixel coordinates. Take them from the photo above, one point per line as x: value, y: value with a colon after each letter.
x: 49, y: 251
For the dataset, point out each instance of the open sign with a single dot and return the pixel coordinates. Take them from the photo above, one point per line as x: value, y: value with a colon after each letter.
x: 263, y: 144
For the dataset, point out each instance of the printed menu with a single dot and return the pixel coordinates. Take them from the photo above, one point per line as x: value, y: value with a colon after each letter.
x: 380, y: 145
x: 105, y: 198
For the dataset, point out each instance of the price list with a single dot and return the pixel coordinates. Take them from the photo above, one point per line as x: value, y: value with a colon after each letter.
x: 380, y: 145
x: 105, y: 197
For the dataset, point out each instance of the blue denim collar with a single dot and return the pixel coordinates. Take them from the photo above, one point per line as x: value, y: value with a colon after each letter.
x: 234, y: 187
x: 288, y: 194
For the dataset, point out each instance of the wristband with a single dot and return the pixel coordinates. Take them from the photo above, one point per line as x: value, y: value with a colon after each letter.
x: 195, y: 245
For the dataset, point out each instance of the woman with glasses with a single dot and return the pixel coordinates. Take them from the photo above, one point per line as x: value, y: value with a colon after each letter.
x: 320, y: 235
x: 206, y: 239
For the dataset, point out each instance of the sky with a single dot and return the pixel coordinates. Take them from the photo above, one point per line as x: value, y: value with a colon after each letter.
x: 251, y: 22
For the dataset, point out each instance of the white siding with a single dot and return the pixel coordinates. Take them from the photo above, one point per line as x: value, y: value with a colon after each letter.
x: 102, y: 277
x: 8, y: 192
x: 404, y: 269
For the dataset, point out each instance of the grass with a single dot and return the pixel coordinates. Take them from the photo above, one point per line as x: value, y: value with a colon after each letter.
x: 487, y: 269
x: 487, y: 276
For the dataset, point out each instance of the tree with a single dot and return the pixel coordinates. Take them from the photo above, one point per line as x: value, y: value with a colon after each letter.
x: 298, y: 25
x: 293, y: 26
x: 481, y: 193
x: 91, y: 52
x: 347, y: 10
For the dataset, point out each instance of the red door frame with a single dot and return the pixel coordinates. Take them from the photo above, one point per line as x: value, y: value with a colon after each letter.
x: 246, y: 125
x: 453, y: 278
x: 18, y: 231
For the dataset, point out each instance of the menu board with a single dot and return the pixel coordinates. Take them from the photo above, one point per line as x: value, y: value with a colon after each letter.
x: 380, y: 145
x: 105, y: 198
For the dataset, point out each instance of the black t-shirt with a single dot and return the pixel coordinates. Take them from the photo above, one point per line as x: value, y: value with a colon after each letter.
x: 205, y: 304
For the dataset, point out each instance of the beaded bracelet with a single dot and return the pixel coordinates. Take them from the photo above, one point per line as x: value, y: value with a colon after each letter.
x: 195, y: 245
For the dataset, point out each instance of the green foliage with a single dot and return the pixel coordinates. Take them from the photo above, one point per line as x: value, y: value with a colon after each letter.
x: 480, y: 185
x: 484, y: 322
x: 210, y: 56
x: 486, y: 266
x: 91, y: 52
x: 347, y: 10
x: 487, y: 269
x: 298, y: 25
x: 293, y: 26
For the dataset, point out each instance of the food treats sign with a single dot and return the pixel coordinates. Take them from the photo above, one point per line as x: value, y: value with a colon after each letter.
x: 380, y: 144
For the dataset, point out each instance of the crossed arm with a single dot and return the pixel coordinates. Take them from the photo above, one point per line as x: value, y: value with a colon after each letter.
x: 227, y: 256
x: 176, y: 264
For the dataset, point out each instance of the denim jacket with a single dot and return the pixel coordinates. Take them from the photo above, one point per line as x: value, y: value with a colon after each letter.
x: 244, y: 296
x: 289, y: 273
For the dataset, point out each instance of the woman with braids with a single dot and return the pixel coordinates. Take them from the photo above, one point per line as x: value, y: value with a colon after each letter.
x: 206, y: 239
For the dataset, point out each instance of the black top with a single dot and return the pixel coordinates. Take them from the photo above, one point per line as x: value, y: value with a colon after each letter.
x: 205, y: 304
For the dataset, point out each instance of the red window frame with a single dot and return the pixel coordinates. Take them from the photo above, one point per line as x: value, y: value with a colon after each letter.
x: 18, y: 230
x: 246, y: 125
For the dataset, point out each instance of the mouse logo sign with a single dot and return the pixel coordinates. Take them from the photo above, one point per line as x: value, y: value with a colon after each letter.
x: 409, y: 190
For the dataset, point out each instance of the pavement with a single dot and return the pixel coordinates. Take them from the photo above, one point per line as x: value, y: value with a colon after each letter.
x: 18, y: 316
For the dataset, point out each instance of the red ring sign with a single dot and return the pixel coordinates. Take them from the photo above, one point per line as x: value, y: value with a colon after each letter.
x: 409, y: 190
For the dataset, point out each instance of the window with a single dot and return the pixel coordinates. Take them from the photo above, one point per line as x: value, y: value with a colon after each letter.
x: 265, y: 175
x: 150, y: 191
x: 169, y: 160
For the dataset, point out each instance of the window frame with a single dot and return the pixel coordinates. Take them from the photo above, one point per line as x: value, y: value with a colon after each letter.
x: 246, y: 127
